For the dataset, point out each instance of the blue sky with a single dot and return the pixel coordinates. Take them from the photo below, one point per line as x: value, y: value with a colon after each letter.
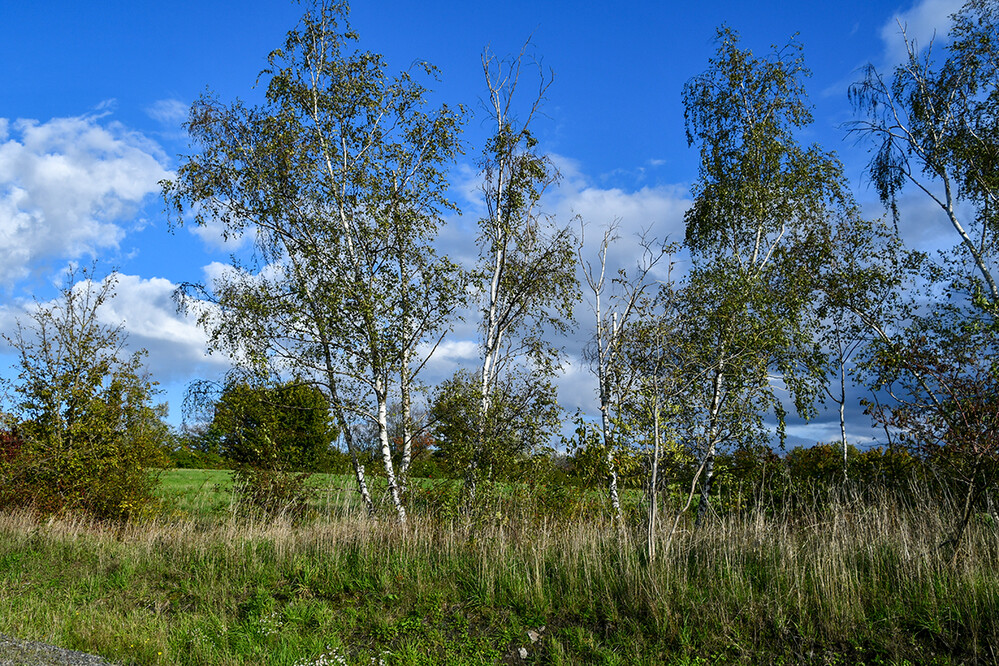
x: 94, y: 94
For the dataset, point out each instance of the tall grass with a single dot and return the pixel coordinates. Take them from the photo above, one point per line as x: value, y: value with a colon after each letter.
x: 842, y: 580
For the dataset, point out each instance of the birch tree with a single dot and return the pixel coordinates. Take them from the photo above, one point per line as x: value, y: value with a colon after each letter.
x: 524, y: 416
x: 613, y: 306
x: 934, y: 127
x: 759, y: 202
x: 858, y: 300
x: 650, y: 349
x: 527, y: 261
x: 339, y: 178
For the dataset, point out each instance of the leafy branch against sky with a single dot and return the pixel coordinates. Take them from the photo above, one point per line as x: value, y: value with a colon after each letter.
x: 95, y: 98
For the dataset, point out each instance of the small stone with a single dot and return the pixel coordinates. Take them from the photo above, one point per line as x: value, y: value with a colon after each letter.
x: 534, y: 636
x: 522, y: 652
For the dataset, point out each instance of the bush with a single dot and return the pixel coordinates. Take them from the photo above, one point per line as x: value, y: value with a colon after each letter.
x: 889, y: 467
x: 86, y: 430
x: 822, y: 463
x: 185, y: 457
x: 273, y: 491
x: 10, y: 446
x: 275, y: 437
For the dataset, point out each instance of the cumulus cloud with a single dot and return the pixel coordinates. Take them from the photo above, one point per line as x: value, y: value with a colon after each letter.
x: 449, y: 356
x: 657, y: 208
x: 69, y: 187
x: 577, y: 386
x: 925, y: 22
x: 653, y: 213
x: 148, y: 312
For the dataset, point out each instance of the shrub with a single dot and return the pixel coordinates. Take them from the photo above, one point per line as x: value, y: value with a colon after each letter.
x: 10, y: 446
x: 275, y: 436
x: 86, y: 430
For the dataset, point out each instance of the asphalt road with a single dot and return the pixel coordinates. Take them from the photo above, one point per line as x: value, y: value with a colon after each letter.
x: 16, y: 652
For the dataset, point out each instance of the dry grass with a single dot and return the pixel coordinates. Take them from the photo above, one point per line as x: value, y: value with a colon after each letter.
x: 840, y: 582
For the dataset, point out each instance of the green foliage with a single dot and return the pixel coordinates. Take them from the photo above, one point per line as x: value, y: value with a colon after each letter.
x: 523, y: 416
x: 282, y: 427
x: 197, y: 448
x: 527, y: 273
x: 762, y: 204
x: 888, y: 467
x: 339, y: 176
x: 85, y: 428
x: 275, y: 436
x: 820, y: 463
x: 764, y: 207
x: 934, y: 124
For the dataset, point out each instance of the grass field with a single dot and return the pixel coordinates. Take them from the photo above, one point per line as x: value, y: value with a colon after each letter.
x: 845, y: 583
x: 208, y: 492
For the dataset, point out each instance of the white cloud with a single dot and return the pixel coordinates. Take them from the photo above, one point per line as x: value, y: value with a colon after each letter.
x: 458, y: 350
x: 653, y: 212
x: 450, y: 355
x: 145, y: 308
x: 467, y: 183
x: 168, y: 111
x: 659, y: 209
x: 577, y: 386
x: 925, y: 22
x: 67, y: 186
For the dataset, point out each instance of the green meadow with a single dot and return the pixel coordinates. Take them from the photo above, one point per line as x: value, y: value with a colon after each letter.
x: 203, y: 582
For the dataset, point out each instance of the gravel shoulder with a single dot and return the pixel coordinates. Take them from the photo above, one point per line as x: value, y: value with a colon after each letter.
x: 17, y: 652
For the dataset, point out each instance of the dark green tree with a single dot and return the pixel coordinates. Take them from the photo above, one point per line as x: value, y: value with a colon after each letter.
x: 275, y: 436
x: 285, y: 427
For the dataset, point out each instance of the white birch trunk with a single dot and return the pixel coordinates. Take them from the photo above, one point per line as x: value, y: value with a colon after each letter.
x: 603, y: 360
x: 709, y: 452
x: 490, y: 352
x: 654, y: 482
x: 407, y: 426
x: 348, y: 437
x: 842, y: 416
x: 383, y: 438
x: 331, y: 378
